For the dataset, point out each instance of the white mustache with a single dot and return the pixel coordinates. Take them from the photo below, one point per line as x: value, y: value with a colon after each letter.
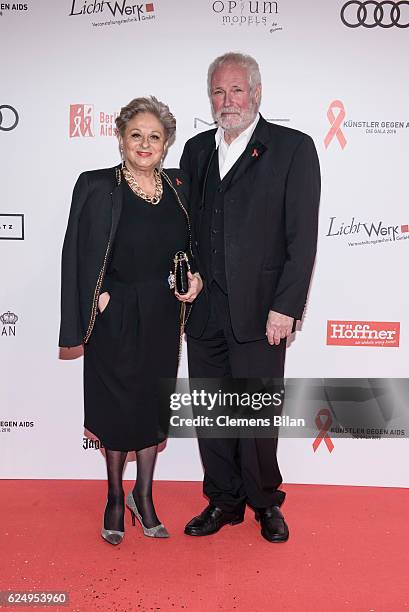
x: 229, y: 109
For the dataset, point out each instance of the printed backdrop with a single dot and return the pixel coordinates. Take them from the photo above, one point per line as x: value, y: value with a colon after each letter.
x: 335, y: 70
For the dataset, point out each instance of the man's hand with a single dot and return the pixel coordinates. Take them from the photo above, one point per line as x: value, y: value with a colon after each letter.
x: 278, y: 326
x: 195, y: 287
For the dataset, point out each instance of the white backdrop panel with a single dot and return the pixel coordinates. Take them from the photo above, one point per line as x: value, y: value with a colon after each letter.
x: 308, y: 59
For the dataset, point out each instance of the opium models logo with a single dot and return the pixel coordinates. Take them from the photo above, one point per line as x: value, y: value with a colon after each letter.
x: 249, y: 13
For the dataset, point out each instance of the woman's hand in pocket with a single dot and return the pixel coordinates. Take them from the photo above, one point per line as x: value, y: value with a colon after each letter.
x: 103, y: 301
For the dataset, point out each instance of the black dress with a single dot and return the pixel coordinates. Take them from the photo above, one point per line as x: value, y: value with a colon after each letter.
x: 135, y: 340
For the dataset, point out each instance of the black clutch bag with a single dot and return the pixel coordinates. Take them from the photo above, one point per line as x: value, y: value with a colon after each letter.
x: 178, y: 278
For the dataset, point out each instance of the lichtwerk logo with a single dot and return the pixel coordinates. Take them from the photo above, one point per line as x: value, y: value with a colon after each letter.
x: 363, y: 333
x: 362, y: 233
x: 119, y: 11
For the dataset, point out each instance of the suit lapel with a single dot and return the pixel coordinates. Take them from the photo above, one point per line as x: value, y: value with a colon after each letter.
x: 117, y: 198
x: 258, y: 145
x: 178, y: 185
x: 204, y: 161
x: 251, y: 156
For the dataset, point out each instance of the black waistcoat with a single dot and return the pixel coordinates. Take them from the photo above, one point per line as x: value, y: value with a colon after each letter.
x: 213, y: 222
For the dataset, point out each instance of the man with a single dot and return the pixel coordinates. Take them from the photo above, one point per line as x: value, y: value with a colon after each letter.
x: 255, y: 192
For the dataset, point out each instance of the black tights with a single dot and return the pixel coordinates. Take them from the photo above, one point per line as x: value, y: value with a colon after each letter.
x: 142, y: 491
x: 115, y: 508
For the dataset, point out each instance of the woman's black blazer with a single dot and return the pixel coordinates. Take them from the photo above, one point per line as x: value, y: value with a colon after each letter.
x: 93, y: 220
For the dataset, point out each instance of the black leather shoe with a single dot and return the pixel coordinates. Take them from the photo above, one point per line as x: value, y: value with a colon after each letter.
x: 211, y: 520
x: 273, y: 526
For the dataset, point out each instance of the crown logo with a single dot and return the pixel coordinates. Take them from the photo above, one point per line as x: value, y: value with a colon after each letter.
x: 8, y: 318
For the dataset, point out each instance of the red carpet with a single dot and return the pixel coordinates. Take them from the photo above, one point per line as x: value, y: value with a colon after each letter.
x: 348, y: 550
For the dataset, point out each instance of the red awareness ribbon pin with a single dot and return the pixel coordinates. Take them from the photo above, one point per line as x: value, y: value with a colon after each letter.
x: 323, y: 429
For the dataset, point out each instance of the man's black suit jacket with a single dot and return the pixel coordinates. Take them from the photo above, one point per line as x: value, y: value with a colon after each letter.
x: 270, y: 226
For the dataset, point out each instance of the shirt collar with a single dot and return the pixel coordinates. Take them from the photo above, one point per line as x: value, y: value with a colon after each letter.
x: 244, y: 135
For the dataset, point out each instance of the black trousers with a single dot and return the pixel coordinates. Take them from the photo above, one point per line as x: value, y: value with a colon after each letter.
x: 237, y: 470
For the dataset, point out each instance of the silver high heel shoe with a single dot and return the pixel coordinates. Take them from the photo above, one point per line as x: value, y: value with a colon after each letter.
x: 112, y: 536
x: 159, y: 531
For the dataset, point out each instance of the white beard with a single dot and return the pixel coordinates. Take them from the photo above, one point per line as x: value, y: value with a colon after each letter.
x: 239, y: 121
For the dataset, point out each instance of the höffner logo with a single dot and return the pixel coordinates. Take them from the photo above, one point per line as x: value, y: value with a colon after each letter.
x: 363, y: 233
x: 363, y: 333
x: 8, y: 322
x: 118, y: 11
x: 251, y: 13
x: 81, y: 122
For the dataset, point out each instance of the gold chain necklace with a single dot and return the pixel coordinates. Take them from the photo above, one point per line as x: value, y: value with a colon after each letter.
x: 157, y: 196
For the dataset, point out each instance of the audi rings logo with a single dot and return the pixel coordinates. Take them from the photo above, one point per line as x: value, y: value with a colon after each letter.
x: 8, y: 118
x: 371, y: 14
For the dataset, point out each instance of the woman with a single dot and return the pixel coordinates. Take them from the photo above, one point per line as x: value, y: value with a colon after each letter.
x: 125, y: 226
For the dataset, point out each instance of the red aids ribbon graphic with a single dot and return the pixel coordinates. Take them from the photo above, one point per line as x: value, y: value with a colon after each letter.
x: 179, y: 182
x: 335, y: 122
x: 323, y: 427
x: 255, y: 153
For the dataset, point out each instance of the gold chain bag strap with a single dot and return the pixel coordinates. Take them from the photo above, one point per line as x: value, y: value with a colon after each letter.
x: 180, y: 260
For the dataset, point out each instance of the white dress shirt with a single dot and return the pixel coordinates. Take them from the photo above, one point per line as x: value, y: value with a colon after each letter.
x: 230, y: 153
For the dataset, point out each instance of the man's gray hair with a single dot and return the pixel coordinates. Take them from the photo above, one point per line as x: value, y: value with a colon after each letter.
x: 151, y: 105
x: 246, y: 61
